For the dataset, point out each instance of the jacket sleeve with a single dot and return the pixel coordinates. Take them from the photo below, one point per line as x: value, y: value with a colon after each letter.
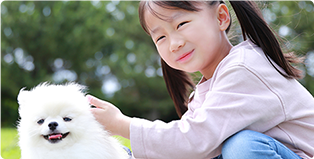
x: 238, y: 99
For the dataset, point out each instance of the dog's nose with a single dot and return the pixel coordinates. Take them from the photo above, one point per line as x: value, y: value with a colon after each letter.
x: 53, y: 125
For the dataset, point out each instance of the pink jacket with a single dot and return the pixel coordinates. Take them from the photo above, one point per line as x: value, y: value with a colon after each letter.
x: 245, y: 92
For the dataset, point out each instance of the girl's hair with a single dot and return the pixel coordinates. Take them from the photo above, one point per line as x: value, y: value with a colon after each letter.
x: 253, y: 27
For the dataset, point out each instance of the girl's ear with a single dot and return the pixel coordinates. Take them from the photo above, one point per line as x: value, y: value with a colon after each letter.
x: 223, y: 17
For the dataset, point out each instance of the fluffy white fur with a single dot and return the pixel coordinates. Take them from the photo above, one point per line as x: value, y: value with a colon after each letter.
x: 57, y: 104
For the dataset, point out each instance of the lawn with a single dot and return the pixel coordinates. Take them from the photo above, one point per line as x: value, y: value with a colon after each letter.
x: 10, y: 149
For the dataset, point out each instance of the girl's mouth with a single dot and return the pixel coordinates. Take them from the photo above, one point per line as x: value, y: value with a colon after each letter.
x: 184, y: 57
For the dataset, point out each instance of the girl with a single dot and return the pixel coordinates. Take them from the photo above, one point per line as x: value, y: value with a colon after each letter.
x: 248, y: 103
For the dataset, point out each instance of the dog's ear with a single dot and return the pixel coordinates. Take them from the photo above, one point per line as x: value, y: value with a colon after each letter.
x: 22, y: 96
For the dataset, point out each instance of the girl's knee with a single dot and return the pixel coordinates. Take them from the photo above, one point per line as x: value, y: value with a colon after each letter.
x: 248, y: 144
x: 240, y: 139
x: 240, y: 144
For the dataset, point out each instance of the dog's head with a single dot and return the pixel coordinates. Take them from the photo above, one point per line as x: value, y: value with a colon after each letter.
x: 53, y: 114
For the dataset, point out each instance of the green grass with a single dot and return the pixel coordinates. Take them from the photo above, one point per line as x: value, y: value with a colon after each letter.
x: 10, y: 149
x: 124, y: 141
x: 9, y: 146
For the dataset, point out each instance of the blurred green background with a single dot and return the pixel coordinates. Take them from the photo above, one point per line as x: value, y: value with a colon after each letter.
x: 101, y: 44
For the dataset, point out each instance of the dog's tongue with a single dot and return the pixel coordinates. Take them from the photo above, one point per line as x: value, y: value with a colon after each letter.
x: 55, y: 136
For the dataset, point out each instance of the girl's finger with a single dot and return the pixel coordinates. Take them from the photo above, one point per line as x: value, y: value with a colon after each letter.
x: 96, y: 102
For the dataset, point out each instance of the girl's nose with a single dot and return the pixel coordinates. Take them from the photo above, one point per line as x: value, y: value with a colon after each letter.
x: 176, y: 44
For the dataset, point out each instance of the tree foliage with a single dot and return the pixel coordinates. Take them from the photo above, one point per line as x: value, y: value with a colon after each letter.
x: 101, y: 44
x: 294, y: 22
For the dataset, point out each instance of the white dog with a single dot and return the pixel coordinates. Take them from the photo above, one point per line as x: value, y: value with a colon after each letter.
x: 56, y: 122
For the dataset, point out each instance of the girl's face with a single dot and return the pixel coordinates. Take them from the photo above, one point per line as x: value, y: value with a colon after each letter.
x: 189, y: 40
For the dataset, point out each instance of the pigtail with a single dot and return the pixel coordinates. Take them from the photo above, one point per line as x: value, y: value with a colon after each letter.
x: 178, y: 84
x: 257, y: 30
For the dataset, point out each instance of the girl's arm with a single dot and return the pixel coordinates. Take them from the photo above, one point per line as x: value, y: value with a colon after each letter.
x: 110, y: 117
x: 238, y: 101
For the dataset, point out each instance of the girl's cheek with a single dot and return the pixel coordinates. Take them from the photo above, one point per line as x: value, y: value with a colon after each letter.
x: 162, y: 48
x: 161, y: 55
x: 159, y: 50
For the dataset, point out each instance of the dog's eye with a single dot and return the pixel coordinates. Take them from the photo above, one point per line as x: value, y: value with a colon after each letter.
x: 67, y: 119
x: 41, y: 121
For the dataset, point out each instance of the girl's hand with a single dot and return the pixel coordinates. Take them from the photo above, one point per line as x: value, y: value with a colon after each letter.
x: 110, y: 117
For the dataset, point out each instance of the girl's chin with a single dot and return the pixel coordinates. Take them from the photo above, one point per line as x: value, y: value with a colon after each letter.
x: 188, y: 69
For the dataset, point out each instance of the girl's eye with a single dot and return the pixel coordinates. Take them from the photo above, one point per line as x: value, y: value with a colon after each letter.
x: 41, y: 121
x: 67, y: 119
x: 181, y: 24
x: 160, y: 38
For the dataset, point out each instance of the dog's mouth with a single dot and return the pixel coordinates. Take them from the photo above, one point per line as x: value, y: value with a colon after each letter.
x: 55, y: 137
